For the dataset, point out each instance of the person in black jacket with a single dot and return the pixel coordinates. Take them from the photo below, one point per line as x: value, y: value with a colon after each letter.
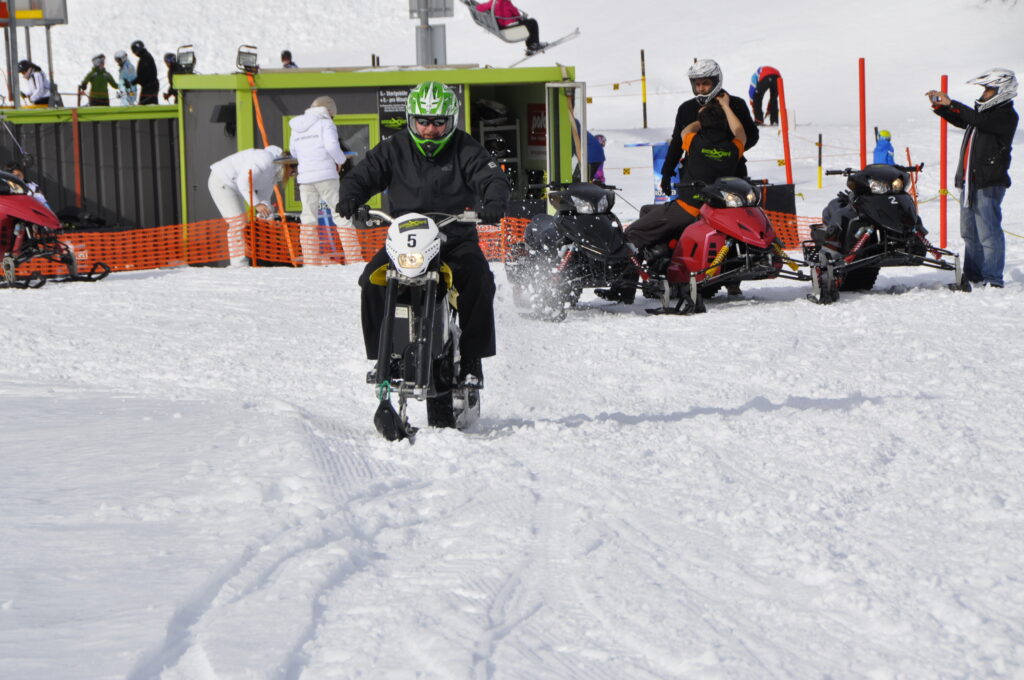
x: 706, y: 81
x: 145, y: 75
x: 982, y: 175
x: 432, y: 166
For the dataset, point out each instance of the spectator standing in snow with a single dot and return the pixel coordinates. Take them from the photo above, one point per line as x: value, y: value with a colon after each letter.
x: 126, y: 72
x: 714, y: 146
x: 38, y: 93
x: 146, y: 75
x: 97, y: 80
x: 599, y: 172
x: 706, y: 81
x: 315, y: 144
x: 286, y: 60
x: 883, y: 153
x: 230, y: 188
x: 982, y: 175
x: 765, y: 80
x: 507, y: 14
x: 173, y: 69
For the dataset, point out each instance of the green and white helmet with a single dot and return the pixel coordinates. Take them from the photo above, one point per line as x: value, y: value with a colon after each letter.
x: 432, y: 100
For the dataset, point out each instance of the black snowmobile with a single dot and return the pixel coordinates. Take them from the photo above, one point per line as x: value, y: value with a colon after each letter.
x: 582, y: 246
x: 873, y: 224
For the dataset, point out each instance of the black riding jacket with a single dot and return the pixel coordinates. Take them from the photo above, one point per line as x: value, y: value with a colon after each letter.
x: 687, y: 113
x: 462, y: 176
x: 989, y: 137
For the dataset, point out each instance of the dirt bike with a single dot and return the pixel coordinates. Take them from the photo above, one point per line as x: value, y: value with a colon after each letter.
x: 29, y: 231
x: 873, y: 224
x: 418, y: 350
x: 731, y: 241
x: 581, y: 246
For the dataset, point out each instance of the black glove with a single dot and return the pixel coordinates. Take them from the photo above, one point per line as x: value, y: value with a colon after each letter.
x: 347, y: 207
x: 666, y: 185
x: 491, y: 213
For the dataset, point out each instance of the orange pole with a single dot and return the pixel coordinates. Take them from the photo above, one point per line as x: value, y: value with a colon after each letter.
x: 252, y: 224
x: 785, y: 132
x: 943, y: 188
x: 277, y: 190
x: 77, y: 154
x: 863, y: 117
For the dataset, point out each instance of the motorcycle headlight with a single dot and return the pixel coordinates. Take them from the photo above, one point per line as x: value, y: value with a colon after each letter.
x: 897, y: 185
x: 582, y: 207
x: 732, y: 200
x: 602, y: 205
x: 410, y: 260
x: 751, y: 198
x: 878, y: 186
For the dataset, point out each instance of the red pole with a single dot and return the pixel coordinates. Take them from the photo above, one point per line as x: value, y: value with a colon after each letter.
x: 943, y: 190
x: 785, y: 132
x: 863, y: 118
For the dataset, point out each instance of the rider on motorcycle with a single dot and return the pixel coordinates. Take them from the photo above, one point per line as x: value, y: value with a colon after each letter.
x: 432, y: 166
x: 714, y: 146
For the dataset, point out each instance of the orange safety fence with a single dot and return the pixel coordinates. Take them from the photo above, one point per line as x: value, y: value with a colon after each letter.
x: 268, y: 242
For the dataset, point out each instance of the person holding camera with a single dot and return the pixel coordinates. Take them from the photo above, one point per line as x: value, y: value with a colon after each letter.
x: 982, y: 175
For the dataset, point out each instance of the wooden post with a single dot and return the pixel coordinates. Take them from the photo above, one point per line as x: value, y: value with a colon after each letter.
x: 943, y: 189
x: 784, y: 120
x: 863, y: 117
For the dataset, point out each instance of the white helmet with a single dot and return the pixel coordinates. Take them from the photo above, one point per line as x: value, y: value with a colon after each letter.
x: 120, y: 55
x: 705, y: 68
x: 1002, y: 80
x: 413, y: 242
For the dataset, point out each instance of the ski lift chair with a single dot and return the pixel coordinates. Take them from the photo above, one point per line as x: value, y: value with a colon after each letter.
x: 487, y: 21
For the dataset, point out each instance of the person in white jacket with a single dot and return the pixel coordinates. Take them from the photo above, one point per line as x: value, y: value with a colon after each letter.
x: 314, y: 142
x: 126, y: 75
x: 230, y: 189
x: 38, y: 92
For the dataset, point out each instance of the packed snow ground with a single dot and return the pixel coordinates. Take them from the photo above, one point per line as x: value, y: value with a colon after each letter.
x: 193, y: 488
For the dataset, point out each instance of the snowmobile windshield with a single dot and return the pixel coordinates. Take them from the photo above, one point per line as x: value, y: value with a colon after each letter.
x: 11, y: 185
x: 895, y: 213
x: 584, y: 198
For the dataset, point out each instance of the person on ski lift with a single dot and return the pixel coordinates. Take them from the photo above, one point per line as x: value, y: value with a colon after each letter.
x: 983, y: 173
x: 507, y: 15
x: 714, y: 146
x: 97, y: 80
x: 432, y: 166
x: 706, y: 81
x: 39, y: 85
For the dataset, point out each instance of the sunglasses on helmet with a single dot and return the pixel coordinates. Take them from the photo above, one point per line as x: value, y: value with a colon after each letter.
x: 436, y: 122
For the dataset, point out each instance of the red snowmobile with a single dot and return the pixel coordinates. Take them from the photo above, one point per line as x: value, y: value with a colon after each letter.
x: 731, y: 241
x: 29, y: 231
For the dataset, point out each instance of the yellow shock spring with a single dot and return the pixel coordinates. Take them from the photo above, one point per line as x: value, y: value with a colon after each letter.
x: 722, y: 254
x: 782, y: 253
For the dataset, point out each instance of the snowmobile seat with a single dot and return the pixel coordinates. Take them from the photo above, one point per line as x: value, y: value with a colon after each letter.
x: 487, y: 20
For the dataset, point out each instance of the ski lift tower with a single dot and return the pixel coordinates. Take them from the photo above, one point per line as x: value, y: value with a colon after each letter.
x: 430, y: 40
x: 28, y: 13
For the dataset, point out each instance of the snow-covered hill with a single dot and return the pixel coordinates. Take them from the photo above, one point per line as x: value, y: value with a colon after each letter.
x: 193, y: 488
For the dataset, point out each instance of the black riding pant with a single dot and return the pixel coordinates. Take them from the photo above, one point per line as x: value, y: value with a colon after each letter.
x: 474, y: 282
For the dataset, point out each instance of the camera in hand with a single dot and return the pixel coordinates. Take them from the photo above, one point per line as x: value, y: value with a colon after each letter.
x: 936, y: 98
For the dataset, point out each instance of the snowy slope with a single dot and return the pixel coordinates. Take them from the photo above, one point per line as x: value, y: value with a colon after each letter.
x: 193, y: 488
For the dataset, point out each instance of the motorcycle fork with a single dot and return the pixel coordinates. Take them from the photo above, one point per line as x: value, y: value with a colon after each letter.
x: 385, y: 340
x: 852, y: 255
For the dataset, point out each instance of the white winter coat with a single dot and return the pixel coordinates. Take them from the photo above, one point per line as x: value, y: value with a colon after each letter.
x: 39, y: 87
x: 314, y: 142
x: 235, y: 170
